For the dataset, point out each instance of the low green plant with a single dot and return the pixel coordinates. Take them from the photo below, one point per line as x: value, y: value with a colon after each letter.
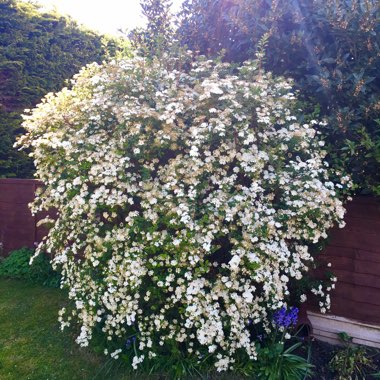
x: 351, y: 362
x: 17, y: 266
x: 275, y: 360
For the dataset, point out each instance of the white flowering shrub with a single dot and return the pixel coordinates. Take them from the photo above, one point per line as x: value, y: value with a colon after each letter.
x: 186, y: 199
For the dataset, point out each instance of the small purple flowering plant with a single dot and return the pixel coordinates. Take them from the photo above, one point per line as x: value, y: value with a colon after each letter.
x: 276, y: 360
x: 284, y: 318
x: 130, y: 342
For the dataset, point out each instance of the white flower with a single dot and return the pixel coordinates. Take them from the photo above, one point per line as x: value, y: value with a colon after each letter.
x: 194, y: 151
x: 234, y: 262
x: 176, y: 242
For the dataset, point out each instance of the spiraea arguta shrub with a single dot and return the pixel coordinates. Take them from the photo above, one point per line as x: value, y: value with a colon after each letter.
x: 187, y: 194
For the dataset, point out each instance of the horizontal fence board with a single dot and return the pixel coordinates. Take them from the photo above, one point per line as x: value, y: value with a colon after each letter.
x: 360, y: 225
x: 354, y: 265
x: 349, y: 252
x: 365, y: 207
x: 357, y: 293
x: 17, y: 194
x: 327, y: 327
x: 347, y: 307
x: 366, y: 280
x: 351, y: 238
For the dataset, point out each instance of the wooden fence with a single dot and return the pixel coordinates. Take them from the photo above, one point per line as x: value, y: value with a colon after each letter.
x: 18, y: 228
x: 354, y: 253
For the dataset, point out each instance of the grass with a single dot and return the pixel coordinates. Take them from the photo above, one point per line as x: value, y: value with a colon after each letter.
x: 31, y: 345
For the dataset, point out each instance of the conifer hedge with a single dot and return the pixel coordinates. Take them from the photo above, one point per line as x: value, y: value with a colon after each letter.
x: 38, y: 52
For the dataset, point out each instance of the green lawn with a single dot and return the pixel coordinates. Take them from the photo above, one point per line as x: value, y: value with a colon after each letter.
x: 32, y: 345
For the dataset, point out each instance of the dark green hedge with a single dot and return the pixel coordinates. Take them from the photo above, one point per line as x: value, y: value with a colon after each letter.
x: 331, y: 49
x: 38, y: 52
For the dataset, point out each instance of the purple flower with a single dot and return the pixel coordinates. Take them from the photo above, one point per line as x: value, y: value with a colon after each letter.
x: 129, y: 342
x: 283, y: 318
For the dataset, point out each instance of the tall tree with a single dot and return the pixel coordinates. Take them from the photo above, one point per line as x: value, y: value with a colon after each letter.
x: 158, y: 34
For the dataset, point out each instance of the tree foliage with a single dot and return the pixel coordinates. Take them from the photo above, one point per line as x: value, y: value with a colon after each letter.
x: 157, y: 36
x: 331, y: 49
x: 38, y: 52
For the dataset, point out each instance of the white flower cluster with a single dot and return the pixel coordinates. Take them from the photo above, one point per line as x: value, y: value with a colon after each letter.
x: 185, y: 201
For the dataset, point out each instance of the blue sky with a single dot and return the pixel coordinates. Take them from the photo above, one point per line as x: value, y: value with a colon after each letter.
x: 105, y: 16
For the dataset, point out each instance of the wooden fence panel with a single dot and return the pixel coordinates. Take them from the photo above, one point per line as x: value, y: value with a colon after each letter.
x: 17, y: 224
x: 354, y: 253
